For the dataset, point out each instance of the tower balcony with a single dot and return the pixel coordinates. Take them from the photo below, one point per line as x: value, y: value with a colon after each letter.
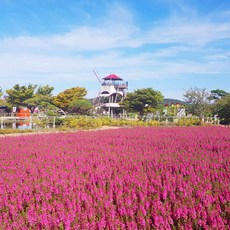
x: 117, y: 85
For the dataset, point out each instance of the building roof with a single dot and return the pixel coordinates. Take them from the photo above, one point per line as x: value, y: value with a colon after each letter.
x: 113, y: 77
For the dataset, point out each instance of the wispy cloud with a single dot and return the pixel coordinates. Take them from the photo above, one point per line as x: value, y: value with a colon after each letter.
x: 121, y: 36
x: 71, y: 56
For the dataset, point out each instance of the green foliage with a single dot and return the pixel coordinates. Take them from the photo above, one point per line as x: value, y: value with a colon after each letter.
x: 35, y: 100
x: 106, y: 121
x: 80, y: 106
x: 5, y: 103
x: 45, y: 90
x: 222, y: 108
x: 29, y: 97
x: 59, y: 121
x: 0, y: 92
x: 198, y: 101
x: 47, y: 122
x: 64, y: 99
x: 217, y: 94
x: 132, y: 123
x: 142, y: 100
x: 19, y: 94
x: 153, y: 123
x: 188, y: 121
x: 39, y: 100
x: 41, y: 122
x: 80, y: 123
x: 83, y: 122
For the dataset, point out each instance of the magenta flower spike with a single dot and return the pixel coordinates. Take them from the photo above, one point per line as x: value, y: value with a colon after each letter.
x: 129, y: 178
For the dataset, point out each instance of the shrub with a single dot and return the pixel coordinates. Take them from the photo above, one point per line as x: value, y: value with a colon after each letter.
x: 188, y: 121
x: 82, y: 122
x: 153, y: 123
x: 91, y: 122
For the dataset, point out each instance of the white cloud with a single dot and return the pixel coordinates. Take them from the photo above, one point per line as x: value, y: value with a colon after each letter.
x: 69, y: 58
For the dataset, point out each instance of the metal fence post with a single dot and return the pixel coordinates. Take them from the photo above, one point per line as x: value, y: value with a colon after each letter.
x: 54, y: 122
x: 1, y: 122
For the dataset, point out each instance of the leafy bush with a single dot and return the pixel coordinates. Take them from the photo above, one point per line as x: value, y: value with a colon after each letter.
x: 82, y: 122
x: 191, y: 121
x: 91, y: 123
x: 153, y: 123
x: 42, y: 122
x: 106, y: 121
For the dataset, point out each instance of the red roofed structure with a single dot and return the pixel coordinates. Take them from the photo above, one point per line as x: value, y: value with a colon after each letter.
x: 113, y: 77
x: 112, y: 92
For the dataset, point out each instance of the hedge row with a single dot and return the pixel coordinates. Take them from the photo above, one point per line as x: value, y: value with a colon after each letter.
x: 84, y: 122
x: 91, y: 123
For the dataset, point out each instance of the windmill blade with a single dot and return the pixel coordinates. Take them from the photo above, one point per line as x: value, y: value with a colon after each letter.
x: 97, y: 76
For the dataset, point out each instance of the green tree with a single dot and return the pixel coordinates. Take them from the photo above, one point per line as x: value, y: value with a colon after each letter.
x: 142, y: 100
x: 19, y: 94
x: 80, y: 106
x: 3, y: 102
x: 222, y: 108
x: 65, y: 98
x: 42, y: 99
x: 45, y: 90
x: 198, y: 101
x: 37, y: 100
x: 217, y: 94
x: 30, y: 96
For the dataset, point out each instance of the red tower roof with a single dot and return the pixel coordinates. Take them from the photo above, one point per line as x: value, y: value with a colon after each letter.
x: 112, y: 77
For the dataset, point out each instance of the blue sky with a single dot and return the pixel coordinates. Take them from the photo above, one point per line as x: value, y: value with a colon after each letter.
x: 169, y: 45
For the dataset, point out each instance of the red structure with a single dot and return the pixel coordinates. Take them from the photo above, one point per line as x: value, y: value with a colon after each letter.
x: 113, y: 77
x: 23, y: 112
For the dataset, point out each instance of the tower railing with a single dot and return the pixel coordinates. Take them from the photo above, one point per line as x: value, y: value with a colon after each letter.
x: 116, y: 83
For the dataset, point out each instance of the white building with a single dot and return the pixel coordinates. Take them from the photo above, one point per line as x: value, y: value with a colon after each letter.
x: 112, y: 91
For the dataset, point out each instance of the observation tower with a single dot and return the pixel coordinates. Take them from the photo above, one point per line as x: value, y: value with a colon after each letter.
x: 112, y: 91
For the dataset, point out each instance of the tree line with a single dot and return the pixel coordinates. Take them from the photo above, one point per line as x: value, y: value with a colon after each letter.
x: 204, y: 103
x: 198, y: 102
x: 40, y: 97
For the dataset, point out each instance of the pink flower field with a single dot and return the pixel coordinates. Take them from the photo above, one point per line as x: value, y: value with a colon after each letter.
x: 129, y: 178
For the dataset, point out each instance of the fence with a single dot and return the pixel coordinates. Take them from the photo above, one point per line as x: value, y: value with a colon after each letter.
x: 45, y: 122
x: 27, y: 122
